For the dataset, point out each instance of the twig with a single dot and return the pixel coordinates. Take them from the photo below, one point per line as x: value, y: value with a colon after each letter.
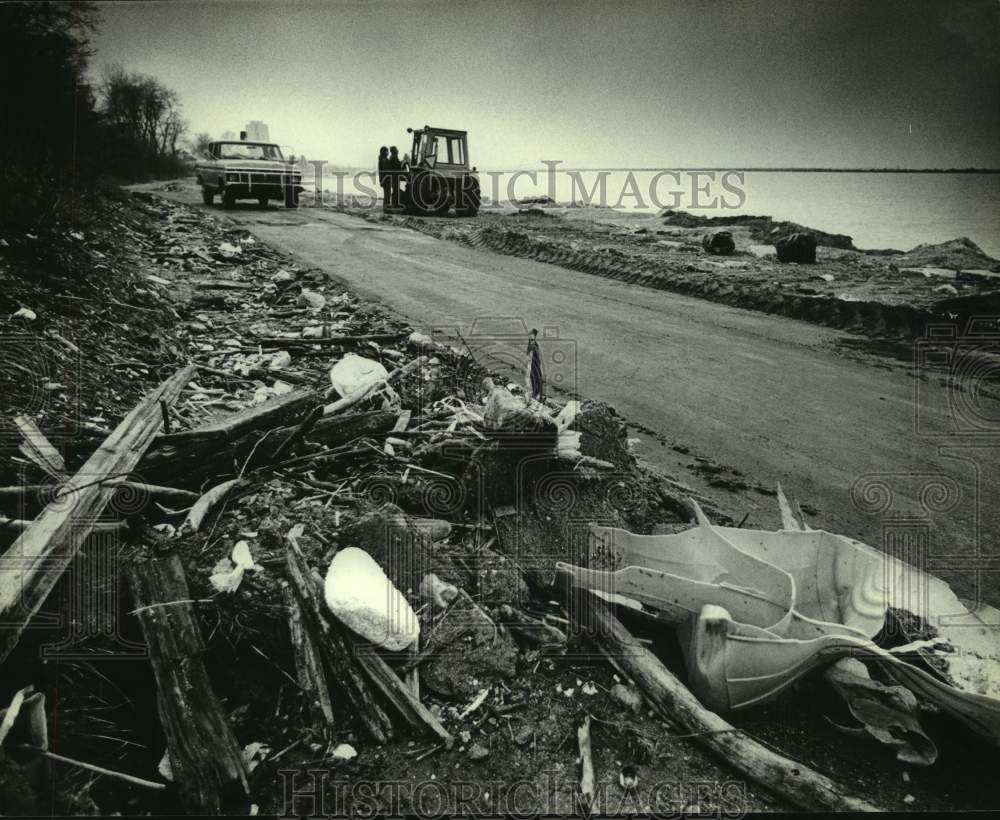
x: 128, y: 778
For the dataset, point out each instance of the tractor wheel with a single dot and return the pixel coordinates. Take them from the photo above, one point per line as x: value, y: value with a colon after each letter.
x: 229, y: 199
x: 468, y: 198
x: 291, y: 198
x: 430, y: 196
x: 207, y: 196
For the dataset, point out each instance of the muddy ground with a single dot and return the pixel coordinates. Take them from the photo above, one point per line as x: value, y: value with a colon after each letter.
x: 886, y: 293
x: 121, y: 301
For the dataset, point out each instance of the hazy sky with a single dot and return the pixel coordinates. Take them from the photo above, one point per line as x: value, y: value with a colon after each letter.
x: 638, y: 84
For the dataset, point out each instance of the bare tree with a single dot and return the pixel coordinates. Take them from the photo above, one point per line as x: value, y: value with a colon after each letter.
x: 200, y: 143
x: 143, y: 109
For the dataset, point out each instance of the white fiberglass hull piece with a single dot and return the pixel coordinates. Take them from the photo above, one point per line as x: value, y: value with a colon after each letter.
x: 758, y: 609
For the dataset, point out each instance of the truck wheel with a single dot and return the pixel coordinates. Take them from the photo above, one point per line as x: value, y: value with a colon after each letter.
x: 262, y: 201
x: 291, y: 198
x: 229, y: 199
x: 207, y: 196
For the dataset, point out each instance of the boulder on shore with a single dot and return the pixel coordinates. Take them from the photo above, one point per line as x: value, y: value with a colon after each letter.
x: 797, y: 247
x: 718, y: 242
x: 761, y: 228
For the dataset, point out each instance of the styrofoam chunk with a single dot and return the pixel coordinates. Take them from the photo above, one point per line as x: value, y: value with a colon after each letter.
x: 358, y: 592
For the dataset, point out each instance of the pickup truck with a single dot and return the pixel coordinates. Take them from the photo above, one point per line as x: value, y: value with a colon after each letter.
x: 248, y: 170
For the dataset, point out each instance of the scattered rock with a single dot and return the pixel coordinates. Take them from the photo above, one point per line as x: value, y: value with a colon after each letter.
x: 524, y: 735
x: 718, y: 242
x: 798, y: 247
x: 628, y: 696
x: 312, y: 300
x: 478, y: 752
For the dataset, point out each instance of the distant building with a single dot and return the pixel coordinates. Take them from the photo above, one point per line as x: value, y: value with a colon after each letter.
x: 228, y: 136
x: 257, y: 131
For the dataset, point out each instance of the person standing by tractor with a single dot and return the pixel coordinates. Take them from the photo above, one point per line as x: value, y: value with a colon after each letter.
x: 395, y: 167
x: 384, y: 179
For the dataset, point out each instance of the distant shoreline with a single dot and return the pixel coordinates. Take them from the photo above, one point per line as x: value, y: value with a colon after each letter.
x: 789, y: 170
x: 334, y: 171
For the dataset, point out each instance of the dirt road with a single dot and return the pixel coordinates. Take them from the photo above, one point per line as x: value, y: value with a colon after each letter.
x: 732, y: 401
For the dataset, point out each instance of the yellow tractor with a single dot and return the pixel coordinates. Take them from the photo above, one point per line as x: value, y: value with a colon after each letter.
x: 438, y: 177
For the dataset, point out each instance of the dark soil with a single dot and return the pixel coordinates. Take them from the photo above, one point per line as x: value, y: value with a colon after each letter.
x: 516, y: 751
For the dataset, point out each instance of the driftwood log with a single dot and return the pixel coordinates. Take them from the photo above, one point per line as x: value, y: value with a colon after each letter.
x: 31, y: 566
x: 780, y: 775
x: 260, y: 417
x: 192, y: 464
x: 337, y: 654
x: 205, y: 759
x: 308, y: 661
x: 395, y: 690
x: 280, y: 341
x: 30, y: 494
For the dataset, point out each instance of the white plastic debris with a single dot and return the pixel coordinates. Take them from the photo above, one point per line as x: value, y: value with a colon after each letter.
x: 25, y: 313
x: 280, y: 359
x: 567, y: 415
x: 358, y: 592
x: 227, y: 574
x: 261, y: 395
x: 227, y: 249
x: 281, y: 388
x: 314, y: 332
x: 477, y: 701
x: 168, y: 530
x: 311, y: 299
x: 242, y: 558
x: 568, y: 444
x: 354, y: 373
x: 254, y: 753
x: 418, y: 338
x: 345, y: 751
x: 164, y: 768
x: 589, y: 688
x: 282, y: 276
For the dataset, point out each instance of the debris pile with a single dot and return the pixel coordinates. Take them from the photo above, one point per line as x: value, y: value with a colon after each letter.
x: 342, y: 543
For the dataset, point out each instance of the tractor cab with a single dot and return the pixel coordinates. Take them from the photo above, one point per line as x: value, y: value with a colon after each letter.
x: 438, y: 176
x: 441, y: 149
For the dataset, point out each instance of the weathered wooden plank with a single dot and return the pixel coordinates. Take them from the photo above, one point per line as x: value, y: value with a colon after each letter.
x: 206, y: 761
x: 308, y: 660
x: 31, y: 566
x: 260, y: 417
x: 338, y: 657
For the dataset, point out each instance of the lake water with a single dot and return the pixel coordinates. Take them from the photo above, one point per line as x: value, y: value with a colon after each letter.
x: 879, y: 210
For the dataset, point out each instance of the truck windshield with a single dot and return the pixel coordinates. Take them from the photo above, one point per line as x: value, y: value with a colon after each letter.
x: 248, y: 150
